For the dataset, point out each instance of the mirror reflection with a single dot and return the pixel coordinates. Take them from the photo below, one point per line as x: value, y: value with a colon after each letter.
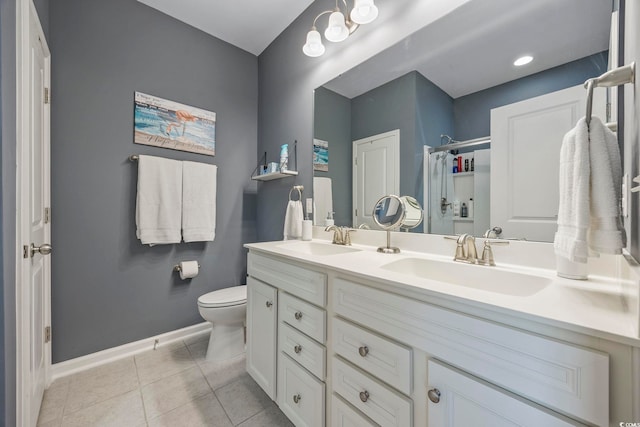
x: 455, y: 80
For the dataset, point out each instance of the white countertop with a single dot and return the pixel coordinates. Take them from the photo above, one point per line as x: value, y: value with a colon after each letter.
x: 601, y: 306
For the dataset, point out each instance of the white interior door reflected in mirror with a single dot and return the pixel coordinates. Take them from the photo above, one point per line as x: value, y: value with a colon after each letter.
x: 525, y: 159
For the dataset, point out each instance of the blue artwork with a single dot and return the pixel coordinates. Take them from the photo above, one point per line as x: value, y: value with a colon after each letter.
x: 320, y: 155
x: 167, y: 124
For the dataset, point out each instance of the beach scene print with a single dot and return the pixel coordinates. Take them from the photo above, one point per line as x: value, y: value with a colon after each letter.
x: 320, y: 155
x: 168, y: 124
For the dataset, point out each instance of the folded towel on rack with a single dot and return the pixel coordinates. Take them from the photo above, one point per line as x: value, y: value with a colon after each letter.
x: 159, y: 200
x: 323, y: 199
x: 590, y: 181
x: 198, y: 201
x: 293, y: 220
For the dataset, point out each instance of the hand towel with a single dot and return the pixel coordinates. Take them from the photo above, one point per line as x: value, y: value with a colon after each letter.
x: 159, y: 200
x: 323, y: 199
x: 198, y: 202
x: 293, y: 220
x: 606, y: 232
x: 590, y: 180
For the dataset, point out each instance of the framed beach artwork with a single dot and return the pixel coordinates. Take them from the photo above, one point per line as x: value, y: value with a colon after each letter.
x: 320, y: 155
x: 168, y: 124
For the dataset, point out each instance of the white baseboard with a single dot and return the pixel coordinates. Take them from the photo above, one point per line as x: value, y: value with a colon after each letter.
x: 72, y: 366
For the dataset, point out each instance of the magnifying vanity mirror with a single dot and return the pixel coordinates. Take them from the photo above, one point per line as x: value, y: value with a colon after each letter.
x: 455, y: 80
x: 392, y: 212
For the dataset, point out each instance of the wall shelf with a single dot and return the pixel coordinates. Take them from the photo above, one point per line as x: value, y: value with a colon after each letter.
x: 461, y: 174
x: 274, y: 175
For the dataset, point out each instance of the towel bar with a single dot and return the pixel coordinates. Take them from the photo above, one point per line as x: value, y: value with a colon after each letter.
x: 617, y: 76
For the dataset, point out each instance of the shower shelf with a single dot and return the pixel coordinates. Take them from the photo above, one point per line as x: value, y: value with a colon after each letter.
x: 462, y: 219
x: 461, y: 174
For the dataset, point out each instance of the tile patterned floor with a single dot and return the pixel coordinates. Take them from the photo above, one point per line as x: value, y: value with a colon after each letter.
x: 171, y: 386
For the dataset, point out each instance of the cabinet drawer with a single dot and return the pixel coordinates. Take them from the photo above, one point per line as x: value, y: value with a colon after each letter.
x: 461, y: 401
x: 343, y: 415
x: 302, y: 316
x: 307, y: 284
x: 300, y: 394
x: 387, y: 360
x: 379, y: 402
x: 302, y: 349
x: 570, y: 379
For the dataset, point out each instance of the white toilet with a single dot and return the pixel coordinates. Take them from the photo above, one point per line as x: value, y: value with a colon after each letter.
x: 226, y: 309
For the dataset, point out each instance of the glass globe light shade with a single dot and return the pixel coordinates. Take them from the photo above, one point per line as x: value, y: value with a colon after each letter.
x: 364, y: 11
x: 313, y: 47
x: 337, y: 31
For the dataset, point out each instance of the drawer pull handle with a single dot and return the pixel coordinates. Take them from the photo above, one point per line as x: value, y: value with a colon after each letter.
x: 296, y: 398
x: 434, y: 395
x: 269, y: 304
x: 364, y: 395
x: 298, y: 315
x: 364, y: 350
x: 297, y: 349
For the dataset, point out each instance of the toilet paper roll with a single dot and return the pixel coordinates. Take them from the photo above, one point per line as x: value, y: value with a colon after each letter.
x: 188, y: 269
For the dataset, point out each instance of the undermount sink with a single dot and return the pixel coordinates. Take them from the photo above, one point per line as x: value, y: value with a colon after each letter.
x: 471, y: 276
x: 320, y: 249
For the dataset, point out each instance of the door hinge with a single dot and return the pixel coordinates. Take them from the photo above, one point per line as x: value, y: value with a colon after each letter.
x: 25, y: 251
x: 608, y: 112
x: 47, y: 334
x: 47, y: 215
x: 355, y: 161
x: 47, y: 96
x: 356, y: 212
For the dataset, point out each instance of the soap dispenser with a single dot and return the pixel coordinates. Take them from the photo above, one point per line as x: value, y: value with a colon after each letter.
x: 329, y: 220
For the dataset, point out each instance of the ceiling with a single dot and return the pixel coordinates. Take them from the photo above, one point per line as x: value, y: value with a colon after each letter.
x: 473, y: 47
x: 250, y: 25
x: 470, y: 49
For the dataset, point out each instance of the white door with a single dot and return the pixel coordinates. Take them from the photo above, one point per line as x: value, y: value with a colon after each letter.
x: 376, y: 173
x: 459, y: 400
x: 525, y: 158
x: 34, y: 230
x: 262, y: 310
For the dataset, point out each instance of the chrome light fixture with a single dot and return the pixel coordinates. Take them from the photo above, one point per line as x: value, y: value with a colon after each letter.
x: 340, y: 25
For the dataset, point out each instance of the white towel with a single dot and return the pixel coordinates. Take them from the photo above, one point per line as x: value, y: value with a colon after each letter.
x: 590, y: 181
x: 323, y: 199
x: 159, y: 200
x: 198, y: 202
x: 293, y: 220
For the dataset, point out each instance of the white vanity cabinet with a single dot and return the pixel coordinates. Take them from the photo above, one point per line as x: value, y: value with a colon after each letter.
x: 297, y: 335
x: 459, y: 400
x: 555, y: 375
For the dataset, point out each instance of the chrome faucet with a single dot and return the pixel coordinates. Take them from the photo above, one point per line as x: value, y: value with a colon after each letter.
x: 466, y: 250
x: 337, y: 234
x: 341, y: 235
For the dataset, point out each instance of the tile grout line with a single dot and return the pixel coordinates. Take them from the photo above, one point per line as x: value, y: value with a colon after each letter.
x: 144, y: 407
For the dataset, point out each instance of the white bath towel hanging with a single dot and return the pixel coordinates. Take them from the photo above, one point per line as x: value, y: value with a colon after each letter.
x: 199, y: 201
x: 590, y: 181
x: 159, y: 200
x: 293, y: 220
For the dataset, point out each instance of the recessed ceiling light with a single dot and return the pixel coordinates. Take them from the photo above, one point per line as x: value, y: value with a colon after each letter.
x: 523, y: 60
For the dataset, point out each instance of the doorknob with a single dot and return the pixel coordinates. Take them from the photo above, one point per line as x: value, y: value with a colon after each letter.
x: 44, y: 249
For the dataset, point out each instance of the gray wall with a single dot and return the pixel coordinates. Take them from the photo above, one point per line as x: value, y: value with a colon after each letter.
x: 472, y: 113
x: 332, y: 123
x: 8, y: 227
x: 107, y: 288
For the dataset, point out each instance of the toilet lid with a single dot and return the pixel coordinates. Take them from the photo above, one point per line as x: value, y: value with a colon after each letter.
x: 224, y: 297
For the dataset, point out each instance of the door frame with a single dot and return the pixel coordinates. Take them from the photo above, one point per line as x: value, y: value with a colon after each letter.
x: 26, y: 16
x: 354, y: 173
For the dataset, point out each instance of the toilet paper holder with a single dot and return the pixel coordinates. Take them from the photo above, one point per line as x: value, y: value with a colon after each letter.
x: 177, y: 267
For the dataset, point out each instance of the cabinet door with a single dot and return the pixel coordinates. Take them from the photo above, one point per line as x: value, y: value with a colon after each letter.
x: 459, y: 400
x: 262, y: 309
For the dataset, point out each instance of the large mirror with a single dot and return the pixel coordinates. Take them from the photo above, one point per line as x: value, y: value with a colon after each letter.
x: 455, y: 80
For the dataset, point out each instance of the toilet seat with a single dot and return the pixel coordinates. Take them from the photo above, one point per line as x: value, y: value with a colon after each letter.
x: 227, y: 297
